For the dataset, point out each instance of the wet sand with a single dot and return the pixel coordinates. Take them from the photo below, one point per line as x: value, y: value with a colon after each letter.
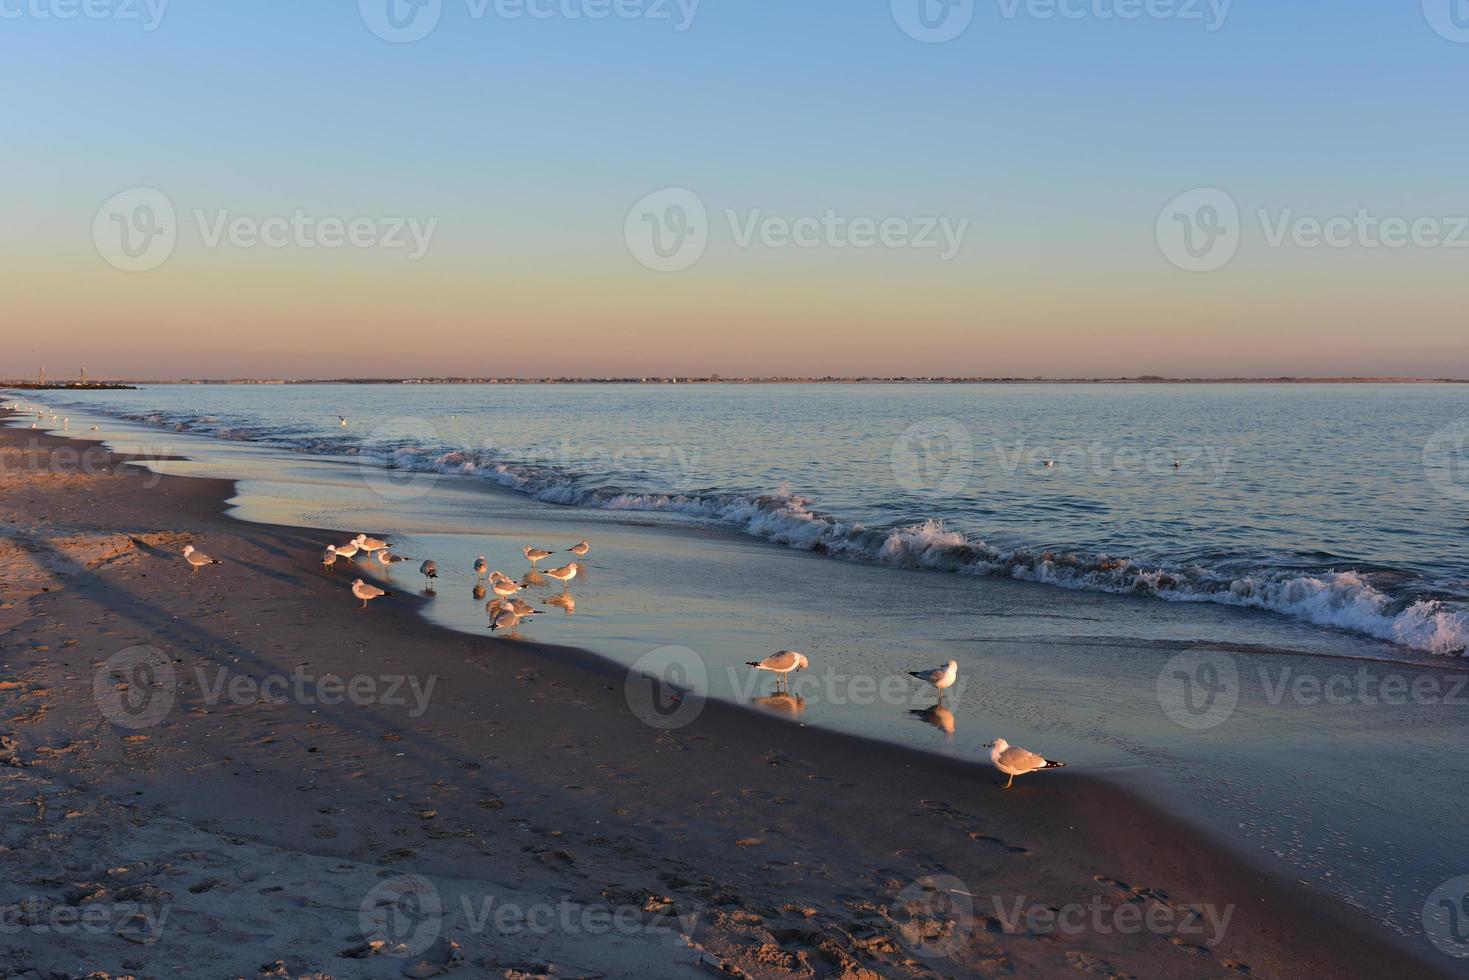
x: 243, y: 828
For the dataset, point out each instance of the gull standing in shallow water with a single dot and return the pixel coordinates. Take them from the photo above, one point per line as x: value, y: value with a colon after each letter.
x: 505, y: 619
x: 940, y: 677
x: 534, y: 555
x: 348, y: 550
x: 781, y: 664
x: 369, y: 545
x: 481, y: 566
x: 564, y: 574
x: 429, y: 570
x: 1015, y: 761
x: 367, y: 592
x: 198, y: 559
x: 580, y: 550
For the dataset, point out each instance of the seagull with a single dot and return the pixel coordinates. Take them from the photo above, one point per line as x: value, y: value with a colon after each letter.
x: 348, y: 550
x: 94, y: 428
x: 1050, y: 463
x: 1015, y: 761
x: 564, y: 574
x: 520, y: 607
x: 504, y: 588
x: 430, y: 570
x: 505, y: 619
x: 369, y: 545
x: 781, y: 664
x: 580, y: 550
x: 481, y: 566
x: 534, y: 555
x: 342, y: 419
x: 367, y: 592
x: 329, y: 557
x: 198, y: 558
x: 387, y: 559
x: 1177, y: 464
x: 940, y: 677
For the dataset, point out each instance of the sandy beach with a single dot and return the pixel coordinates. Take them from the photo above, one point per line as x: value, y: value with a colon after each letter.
x: 313, y: 789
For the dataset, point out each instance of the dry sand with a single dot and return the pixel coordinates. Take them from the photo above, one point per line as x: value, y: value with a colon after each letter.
x: 244, y: 832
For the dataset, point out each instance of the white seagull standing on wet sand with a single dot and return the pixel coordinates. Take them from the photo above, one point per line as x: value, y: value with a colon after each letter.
x: 198, y: 559
x: 505, y: 619
x: 504, y: 587
x: 367, y: 592
x: 534, y: 555
x: 430, y: 570
x: 329, y: 557
x: 1015, y: 761
x: 387, y: 559
x: 369, y: 545
x: 580, y: 550
x: 940, y: 677
x: 348, y: 550
x: 781, y: 664
x: 564, y: 574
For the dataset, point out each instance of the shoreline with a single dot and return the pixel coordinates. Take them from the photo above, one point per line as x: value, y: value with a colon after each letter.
x: 955, y: 805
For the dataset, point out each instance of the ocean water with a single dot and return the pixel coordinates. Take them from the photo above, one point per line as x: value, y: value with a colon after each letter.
x: 1345, y: 507
x: 1303, y: 562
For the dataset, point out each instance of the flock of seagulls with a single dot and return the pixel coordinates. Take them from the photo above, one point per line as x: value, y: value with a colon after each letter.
x: 507, y: 611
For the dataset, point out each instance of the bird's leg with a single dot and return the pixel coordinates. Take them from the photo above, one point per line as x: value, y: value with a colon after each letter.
x: 1012, y: 780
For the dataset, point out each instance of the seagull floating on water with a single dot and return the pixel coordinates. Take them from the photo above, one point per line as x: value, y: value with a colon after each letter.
x: 1015, y: 761
x: 940, y: 677
x: 198, y: 559
x: 342, y: 419
x: 781, y: 664
x: 367, y: 592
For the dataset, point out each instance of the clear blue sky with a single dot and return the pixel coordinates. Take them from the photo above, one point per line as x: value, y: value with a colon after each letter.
x: 529, y: 140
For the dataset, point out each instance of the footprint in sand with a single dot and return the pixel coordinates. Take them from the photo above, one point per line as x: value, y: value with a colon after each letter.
x: 996, y: 842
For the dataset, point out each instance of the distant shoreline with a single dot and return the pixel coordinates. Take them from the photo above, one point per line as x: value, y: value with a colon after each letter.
x: 715, y: 380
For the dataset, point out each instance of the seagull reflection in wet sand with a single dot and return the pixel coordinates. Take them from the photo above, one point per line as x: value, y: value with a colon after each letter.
x: 783, y: 702
x: 938, y: 716
x: 565, y: 600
